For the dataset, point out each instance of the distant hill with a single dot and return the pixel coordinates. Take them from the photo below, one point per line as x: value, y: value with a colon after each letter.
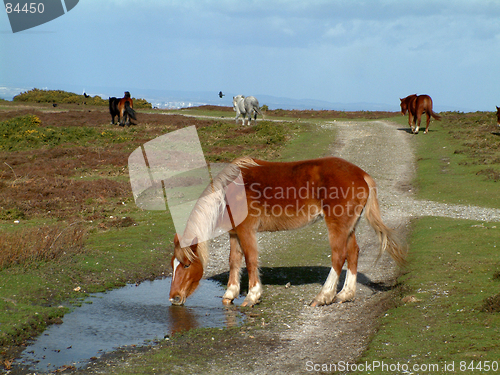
x: 183, y: 99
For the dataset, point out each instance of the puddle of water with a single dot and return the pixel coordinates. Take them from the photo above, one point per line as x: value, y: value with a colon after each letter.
x: 132, y: 315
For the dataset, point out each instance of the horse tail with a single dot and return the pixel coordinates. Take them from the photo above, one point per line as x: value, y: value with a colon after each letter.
x: 435, y: 116
x: 386, y: 235
x: 259, y: 112
x: 130, y: 110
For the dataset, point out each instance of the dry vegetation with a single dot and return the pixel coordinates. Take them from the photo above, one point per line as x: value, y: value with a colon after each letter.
x: 44, y: 243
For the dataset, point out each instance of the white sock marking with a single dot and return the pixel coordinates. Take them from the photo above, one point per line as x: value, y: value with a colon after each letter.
x: 255, y: 293
x: 350, y: 282
x: 331, y: 281
x: 232, y: 292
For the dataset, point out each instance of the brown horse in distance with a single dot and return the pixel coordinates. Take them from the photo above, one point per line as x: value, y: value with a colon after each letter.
x: 498, y: 116
x: 416, y: 106
x: 123, y: 108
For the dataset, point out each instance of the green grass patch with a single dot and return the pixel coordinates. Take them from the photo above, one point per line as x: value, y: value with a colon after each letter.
x: 310, y: 141
x: 459, y: 160
x: 441, y: 317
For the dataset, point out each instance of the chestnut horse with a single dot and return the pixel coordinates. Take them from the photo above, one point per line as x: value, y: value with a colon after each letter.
x: 123, y: 108
x: 416, y: 106
x: 283, y: 196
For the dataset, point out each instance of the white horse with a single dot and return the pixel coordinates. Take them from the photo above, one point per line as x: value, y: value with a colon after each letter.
x: 246, y: 106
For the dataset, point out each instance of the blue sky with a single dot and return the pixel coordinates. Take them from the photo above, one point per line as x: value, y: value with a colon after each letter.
x: 338, y: 51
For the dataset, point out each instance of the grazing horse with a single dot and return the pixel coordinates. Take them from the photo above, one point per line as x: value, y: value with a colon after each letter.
x: 123, y: 108
x: 416, y: 106
x: 246, y: 106
x: 282, y: 196
x: 498, y: 116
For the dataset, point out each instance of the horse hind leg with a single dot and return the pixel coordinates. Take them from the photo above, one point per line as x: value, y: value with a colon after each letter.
x: 417, y: 123
x: 235, y: 260
x: 337, y: 239
x: 348, y: 291
x: 124, y: 119
x: 428, y: 122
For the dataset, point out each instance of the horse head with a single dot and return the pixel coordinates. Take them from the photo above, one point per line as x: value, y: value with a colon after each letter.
x: 404, y: 106
x: 236, y: 101
x: 187, y: 271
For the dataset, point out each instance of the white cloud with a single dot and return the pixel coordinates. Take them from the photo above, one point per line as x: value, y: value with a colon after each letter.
x: 334, y: 32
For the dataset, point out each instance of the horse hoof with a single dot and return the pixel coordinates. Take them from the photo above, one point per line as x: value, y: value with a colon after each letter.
x: 227, y: 301
x: 247, y: 303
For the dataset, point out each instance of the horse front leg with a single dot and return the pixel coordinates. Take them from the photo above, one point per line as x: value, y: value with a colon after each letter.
x: 248, y: 242
x: 235, y: 259
x: 348, y: 291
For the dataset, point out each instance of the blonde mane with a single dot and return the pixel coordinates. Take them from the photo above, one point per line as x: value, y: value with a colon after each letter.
x: 209, y: 209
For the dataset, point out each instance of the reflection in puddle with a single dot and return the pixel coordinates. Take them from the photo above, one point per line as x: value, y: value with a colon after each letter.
x: 132, y: 315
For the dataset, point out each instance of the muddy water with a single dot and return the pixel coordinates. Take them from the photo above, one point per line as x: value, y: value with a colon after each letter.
x: 133, y: 315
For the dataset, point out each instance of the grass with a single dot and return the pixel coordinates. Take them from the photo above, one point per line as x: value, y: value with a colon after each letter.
x: 459, y: 160
x: 445, y: 289
x: 447, y: 302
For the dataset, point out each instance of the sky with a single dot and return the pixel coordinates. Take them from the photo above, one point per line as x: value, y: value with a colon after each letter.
x: 340, y: 51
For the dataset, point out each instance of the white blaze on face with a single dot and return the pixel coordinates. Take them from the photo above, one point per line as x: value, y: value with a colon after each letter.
x: 176, y: 263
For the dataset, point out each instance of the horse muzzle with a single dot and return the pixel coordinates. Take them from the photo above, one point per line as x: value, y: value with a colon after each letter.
x: 177, y: 300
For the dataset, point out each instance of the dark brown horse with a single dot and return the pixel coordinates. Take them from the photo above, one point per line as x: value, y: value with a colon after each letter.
x: 282, y: 196
x: 498, y: 116
x: 416, y: 106
x: 123, y: 108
